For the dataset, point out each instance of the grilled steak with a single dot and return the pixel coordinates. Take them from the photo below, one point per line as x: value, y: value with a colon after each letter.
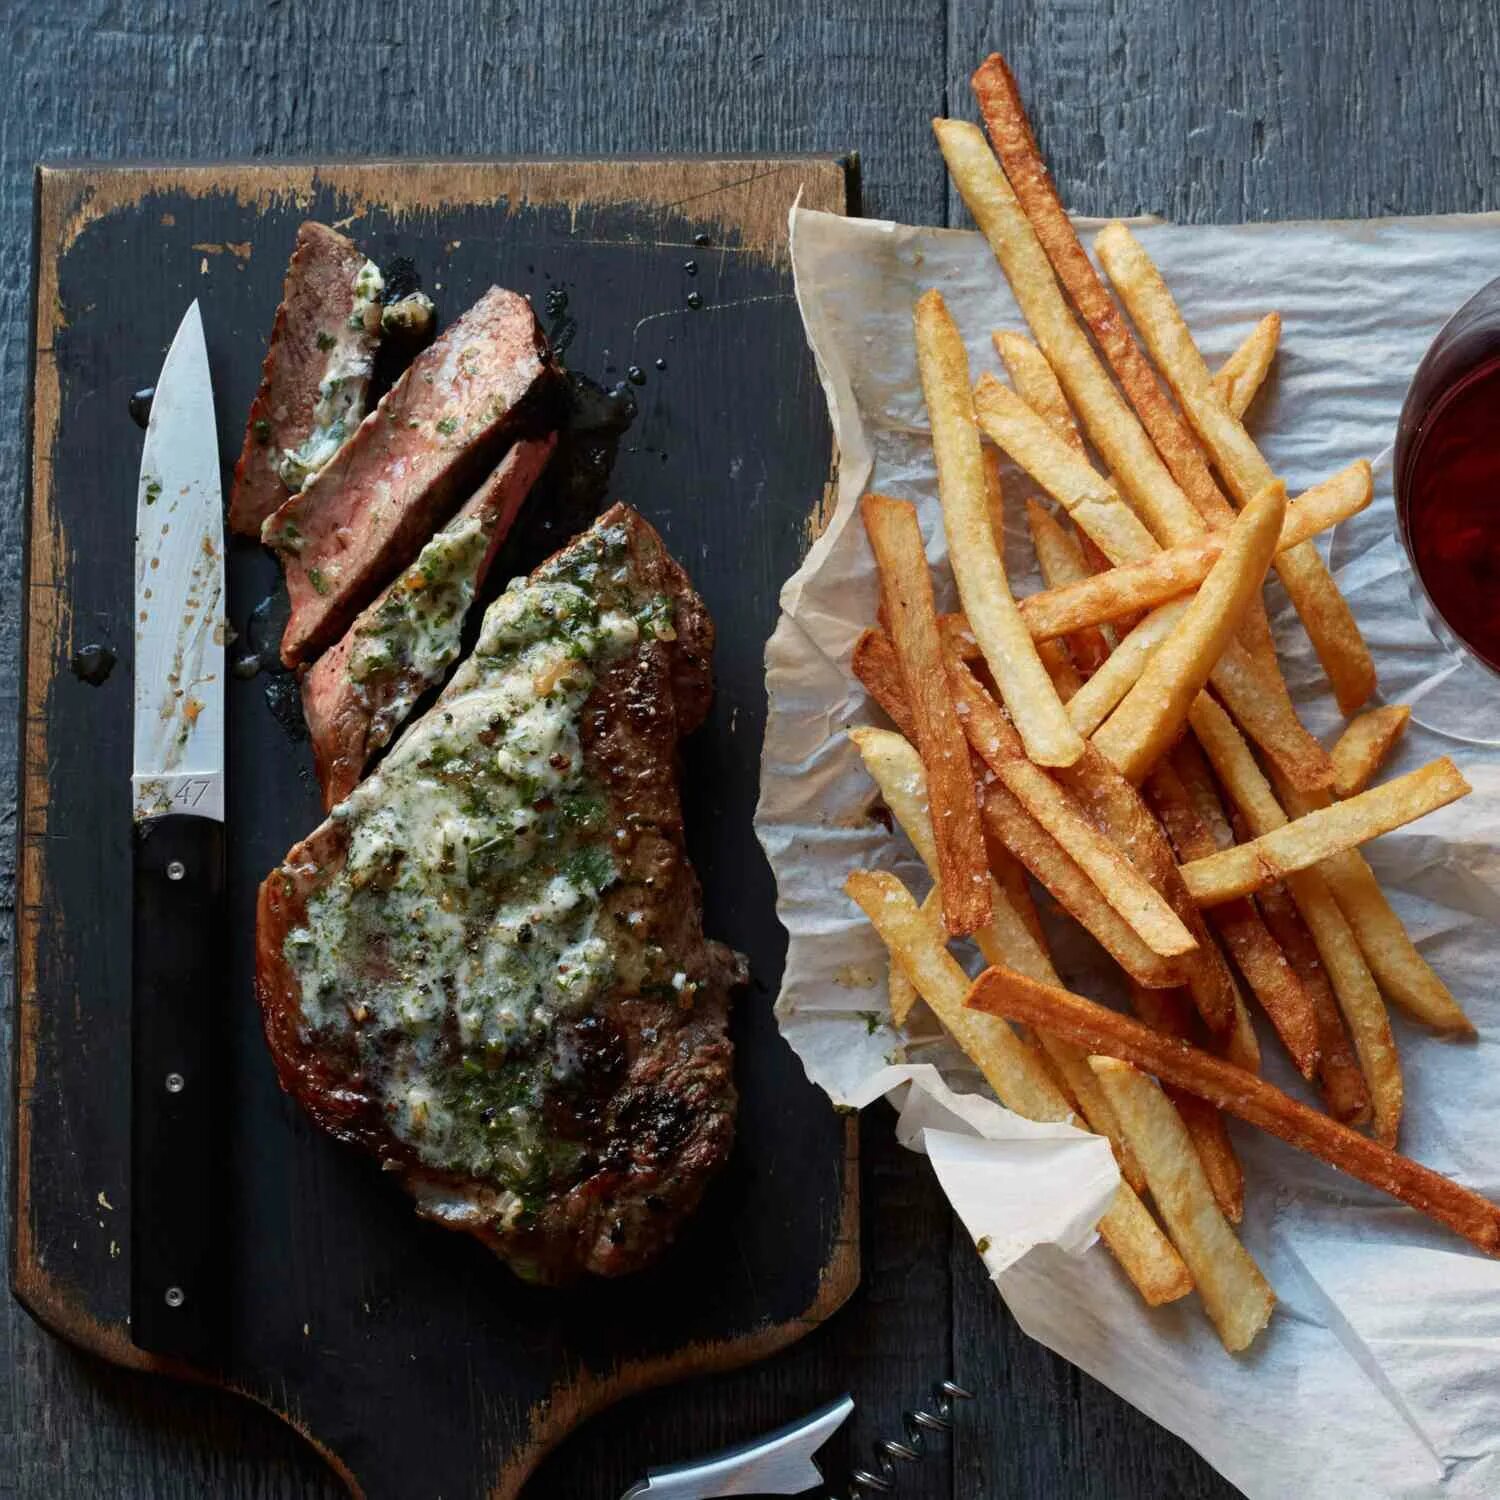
x: 364, y: 515
x: 359, y: 693
x: 488, y: 966
x: 315, y: 377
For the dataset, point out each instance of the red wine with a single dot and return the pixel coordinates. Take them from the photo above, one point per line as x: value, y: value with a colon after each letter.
x: 1452, y: 508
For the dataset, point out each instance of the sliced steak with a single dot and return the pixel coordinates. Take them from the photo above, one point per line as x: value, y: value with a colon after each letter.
x: 488, y: 966
x: 359, y: 693
x: 366, y: 512
x: 316, y: 373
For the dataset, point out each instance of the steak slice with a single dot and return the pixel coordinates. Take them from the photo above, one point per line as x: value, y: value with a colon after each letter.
x: 363, y: 516
x: 315, y: 376
x: 358, y: 694
x: 488, y: 966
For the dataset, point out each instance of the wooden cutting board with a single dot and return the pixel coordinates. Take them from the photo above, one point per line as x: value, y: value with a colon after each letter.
x: 410, y: 1356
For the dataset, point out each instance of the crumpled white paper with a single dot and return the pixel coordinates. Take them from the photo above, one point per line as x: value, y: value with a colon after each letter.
x: 1380, y: 1372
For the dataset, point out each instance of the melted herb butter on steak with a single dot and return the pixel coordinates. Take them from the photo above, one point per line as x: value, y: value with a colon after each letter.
x: 346, y: 381
x: 465, y: 923
x: 415, y: 634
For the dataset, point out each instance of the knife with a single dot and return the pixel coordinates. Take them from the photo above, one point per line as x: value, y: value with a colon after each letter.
x: 177, y: 786
x: 780, y: 1463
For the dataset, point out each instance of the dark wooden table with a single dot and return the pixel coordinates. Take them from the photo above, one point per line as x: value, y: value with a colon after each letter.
x: 1189, y: 108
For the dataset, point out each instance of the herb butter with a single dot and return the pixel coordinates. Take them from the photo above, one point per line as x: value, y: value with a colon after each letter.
x: 467, y: 919
x: 340, y: 408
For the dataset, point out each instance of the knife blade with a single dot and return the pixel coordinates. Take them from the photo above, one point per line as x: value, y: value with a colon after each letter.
x: 177, y: 795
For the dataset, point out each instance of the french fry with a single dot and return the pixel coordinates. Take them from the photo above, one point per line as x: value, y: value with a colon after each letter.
x: 1010, y: 134
x: 1353, y: 984
x: 1093, y: 703
x: 1117, y: 807
x: 1012, y: 1071
x: 1402, y: 972
x: 1324, y: 611
x: 1100, y: 597
x: 1110, y: 423
x: 1118, y: 881
x: 1036, y: 384
x: 903, y: 993
x: 1064, y: 473
x: 1362, y: 748
x: 1322, y: 833
x: 1152, y: 713
x: 1001, y: 992
x: 1008, y: 1064
x: 1339, y: 1078
x: 1006, y: 938
x: 978, y: 568
x: 906, y: 592
x: 1174, y: 514
x: 1167, y: 1012
x: 1237, y: 1298
x: 994, y: 495
x: 1060, y: 556
x: 1010, y: 824
x: 1255, y: 952
x: 875, y: 665
x: 1239, y: 379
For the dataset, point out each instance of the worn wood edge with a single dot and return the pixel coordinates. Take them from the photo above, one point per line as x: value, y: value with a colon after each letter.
x: 66, y: 200
x: 565, y: 1410
x: 89, y: 192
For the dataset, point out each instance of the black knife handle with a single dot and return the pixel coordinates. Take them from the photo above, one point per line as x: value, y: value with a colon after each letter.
x: 176, y: 1290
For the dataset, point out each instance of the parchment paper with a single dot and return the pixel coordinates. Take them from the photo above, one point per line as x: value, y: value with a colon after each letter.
x: 1380, y: 1372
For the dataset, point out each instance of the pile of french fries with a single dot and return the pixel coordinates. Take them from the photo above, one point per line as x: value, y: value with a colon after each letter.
x: 1125, y: 740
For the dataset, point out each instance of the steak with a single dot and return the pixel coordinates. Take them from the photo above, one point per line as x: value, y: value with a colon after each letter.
x: 364, y: 515
x: 315, y: 376
x: 358, y: 694
x: 487, y: 967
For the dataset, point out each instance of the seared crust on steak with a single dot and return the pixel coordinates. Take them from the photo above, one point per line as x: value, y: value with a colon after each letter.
x: 636, y: 1090
x: 364, y: 515
x: 351, y: 710
x: 316, y: 299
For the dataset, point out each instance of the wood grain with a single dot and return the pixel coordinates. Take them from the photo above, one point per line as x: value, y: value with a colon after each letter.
x: 1201, y: 112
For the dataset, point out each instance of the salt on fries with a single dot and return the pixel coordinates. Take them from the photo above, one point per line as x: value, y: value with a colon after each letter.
x: 906, y: 593
x: 1152, y: 713
x: 917, y: 945
x: 1084, y: 737
x: 1322, y: 833
x: 1098, y: 598
x: 1239, y: 379
x: 1166, y: 1011
x: 978, y: 568
x: 1010, y: 134
x: 1006, y: 938
x: 1362, y: 748
x: 1256, y: 953
x: 1254, y: 693
x: 1106, y: 1033
x: 1348, y: 972
x: 1235, y: 1295
x: 1328, y: 619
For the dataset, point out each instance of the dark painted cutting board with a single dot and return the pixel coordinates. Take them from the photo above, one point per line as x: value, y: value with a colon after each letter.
x: 416, y: 1361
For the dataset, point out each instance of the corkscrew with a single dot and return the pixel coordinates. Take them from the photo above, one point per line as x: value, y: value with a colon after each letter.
x: 919, y: 1425
x: 781, y: 1462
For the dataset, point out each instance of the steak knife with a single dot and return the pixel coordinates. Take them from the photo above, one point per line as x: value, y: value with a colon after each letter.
x: 177, y: 793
